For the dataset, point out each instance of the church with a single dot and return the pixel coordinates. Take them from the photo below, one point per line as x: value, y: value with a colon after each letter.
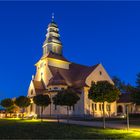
x: 54, y: 72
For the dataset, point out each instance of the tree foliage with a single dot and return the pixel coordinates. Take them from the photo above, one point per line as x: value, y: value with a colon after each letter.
x: 67, y: 97
x: 22, y: 101
x: 103, y: 91
x: 135, y: 94
x: 122, y: 86
x: 42, y: 100
x: 7, y: 103
x: 136, y: 91
x: 138, y: 81
x: 128, y: 88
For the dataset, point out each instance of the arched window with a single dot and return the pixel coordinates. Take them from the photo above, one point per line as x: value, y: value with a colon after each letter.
x: 119, y: 109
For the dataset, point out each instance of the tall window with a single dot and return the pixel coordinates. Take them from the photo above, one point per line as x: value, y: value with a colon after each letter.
x: 55, y: 107
x: 73, y: 107
x: 95, y: 106
x: 100, y: 107
x: 108, y: 107
x: 92, y: 106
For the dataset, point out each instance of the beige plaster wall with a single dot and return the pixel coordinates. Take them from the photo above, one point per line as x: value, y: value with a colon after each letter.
x: 58, y: 63
x: 97, y: 113
x: 42, y: 71
x: 96, y: 76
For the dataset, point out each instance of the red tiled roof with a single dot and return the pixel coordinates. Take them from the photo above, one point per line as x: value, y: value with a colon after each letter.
x: 38, y: 85
x: 125, y: 98
x: 57, y: 79
x: 75, y: 75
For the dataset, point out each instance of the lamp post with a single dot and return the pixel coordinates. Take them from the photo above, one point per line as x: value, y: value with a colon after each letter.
x: 127, y: 112
x: 50, y: 105
x: 103, y: 107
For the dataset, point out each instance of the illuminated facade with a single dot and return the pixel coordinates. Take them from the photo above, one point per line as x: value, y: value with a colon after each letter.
x: 54, y: 72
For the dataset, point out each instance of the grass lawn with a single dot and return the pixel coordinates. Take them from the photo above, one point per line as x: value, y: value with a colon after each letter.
x: 15, y: 128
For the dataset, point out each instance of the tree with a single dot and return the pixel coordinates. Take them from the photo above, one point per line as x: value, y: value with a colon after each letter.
x: 7, y: 104
x: 135, y: 91
x: 135, y: 94
x: 138, y: 81
x: 13, y: 109
x: 22, y: 102
x: 119, y: 83
x: 129, y: 88
x: 42, y: 101
x: 103, y: 91
x: 67, y: 97
x: 57, y: 100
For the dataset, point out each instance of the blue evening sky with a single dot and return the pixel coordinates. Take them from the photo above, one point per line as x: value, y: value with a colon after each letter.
x: 91, y: 32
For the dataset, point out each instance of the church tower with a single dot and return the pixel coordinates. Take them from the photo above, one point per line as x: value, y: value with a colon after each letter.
x: 52, y: 42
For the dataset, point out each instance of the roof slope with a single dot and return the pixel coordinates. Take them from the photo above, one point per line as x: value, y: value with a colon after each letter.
x: 75, y: 75
x: 57, y: 79
x: 125, y: 98
x: 39, y: 86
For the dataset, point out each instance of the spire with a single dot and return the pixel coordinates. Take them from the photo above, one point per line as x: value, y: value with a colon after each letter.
x: 52, y: 42
x: 52, y: 17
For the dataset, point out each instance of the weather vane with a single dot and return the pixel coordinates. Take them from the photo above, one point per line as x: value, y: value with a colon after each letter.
x: 52, y: 17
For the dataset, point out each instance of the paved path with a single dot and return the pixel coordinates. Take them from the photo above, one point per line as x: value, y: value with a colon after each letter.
x: 96, y: 124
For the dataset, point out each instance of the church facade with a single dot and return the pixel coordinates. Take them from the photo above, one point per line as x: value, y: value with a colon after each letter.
x: 54, y: 72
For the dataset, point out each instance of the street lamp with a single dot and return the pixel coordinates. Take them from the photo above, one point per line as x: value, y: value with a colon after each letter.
x: 127, y: 116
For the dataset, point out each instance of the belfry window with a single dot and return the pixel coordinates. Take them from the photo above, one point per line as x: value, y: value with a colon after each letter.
x: 100, y: 72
